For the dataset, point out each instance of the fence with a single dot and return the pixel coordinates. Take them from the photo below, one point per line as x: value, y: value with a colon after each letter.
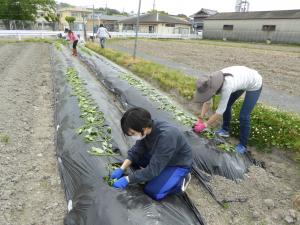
x: 27, y: 33
x: 153, y: 35
x: 40, y: 24
x: 42, y: 28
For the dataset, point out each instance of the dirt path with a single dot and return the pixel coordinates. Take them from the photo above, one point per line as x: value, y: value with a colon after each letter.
x: 30, y: 191
x: 279, y: 64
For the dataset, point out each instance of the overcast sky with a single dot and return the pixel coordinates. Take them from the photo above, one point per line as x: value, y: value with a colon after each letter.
x: 187, y: 7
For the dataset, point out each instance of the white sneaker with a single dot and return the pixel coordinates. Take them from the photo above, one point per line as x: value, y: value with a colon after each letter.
x: 186, y: 182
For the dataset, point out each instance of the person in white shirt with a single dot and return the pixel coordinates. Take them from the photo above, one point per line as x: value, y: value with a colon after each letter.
x: 102, y: 34
x: 230, y: 83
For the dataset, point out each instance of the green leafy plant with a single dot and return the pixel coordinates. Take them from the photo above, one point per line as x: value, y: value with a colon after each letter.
x: 94, y: 129
x: 4, y: 138
x: 164, y: 102
x: 111, y: 167
x: 58, y: 46
x: 270, y: 128
x: 109, y: 181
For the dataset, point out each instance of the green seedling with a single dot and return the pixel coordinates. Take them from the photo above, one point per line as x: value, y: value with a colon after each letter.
x: 58, y: 46
x: 226, y: 147
x: 208, y: 134
x: 226, y: 205
x: 163, y: 101
x: 4, y: 138
x: 109, y: 181
x: 94, y: 127
x: 100, y: 152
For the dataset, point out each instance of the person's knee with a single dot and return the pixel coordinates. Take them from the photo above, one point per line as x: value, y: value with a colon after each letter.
x: 154, y: 194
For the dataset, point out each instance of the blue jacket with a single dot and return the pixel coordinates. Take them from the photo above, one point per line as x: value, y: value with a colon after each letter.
x: 166, y: 146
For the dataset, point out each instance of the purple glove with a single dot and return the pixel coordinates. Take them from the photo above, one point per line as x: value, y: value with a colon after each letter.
x: 122, y: 183
x: 200, y: 127
x: 117, y: 173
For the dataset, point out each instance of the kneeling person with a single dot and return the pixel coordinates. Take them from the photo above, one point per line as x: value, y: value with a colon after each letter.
x: 161, y: 154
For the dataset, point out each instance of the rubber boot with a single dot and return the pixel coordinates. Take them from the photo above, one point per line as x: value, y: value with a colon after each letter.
x: 75, y: 52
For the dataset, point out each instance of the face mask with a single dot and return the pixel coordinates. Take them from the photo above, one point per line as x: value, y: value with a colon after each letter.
x: 138, y: 137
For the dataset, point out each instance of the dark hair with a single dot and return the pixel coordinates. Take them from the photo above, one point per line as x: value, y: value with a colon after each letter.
x: 101, y: 25
x: 136, y: 119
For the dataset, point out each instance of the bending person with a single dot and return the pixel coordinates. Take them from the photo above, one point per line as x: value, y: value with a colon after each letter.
x: 230, y: 83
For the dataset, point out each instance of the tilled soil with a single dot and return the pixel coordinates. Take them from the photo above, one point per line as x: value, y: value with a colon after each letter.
x: 279, y: 65
x: 30, y: 189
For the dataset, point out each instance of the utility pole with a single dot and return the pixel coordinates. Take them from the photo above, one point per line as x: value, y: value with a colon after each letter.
x: 153, y: 5
x: 93, y: 23
x: 137, y: 29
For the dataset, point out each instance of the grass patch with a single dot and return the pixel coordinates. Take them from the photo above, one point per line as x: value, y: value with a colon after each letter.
x: 85, y: 50
x: 270, y: 127
x: 166, y: 78
x: 29, y: 40
x: 226, y: 205
x: 4, y: 138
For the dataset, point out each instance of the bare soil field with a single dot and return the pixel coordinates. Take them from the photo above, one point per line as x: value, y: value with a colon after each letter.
x: 30, y: 190
x: 278, y: 64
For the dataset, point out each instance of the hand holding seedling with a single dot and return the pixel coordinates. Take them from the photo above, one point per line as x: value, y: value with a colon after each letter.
x: 122, y: 183
x: 200, y: 126
x: 117, y: 173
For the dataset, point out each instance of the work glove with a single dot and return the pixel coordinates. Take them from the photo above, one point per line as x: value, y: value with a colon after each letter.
x: 198, y: 122
x: 122, y: 183
x: 117, y: 174
x: 200, y: 127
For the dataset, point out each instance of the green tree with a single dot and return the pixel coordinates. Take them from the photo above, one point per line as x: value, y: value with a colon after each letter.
x: 70, y: 20
x: 24, y: 9
x: 53, y: 18
x: 108, y: 11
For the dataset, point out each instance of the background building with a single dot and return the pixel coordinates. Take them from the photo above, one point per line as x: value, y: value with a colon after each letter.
x: 157, y: 23
x: 275, y: 26
x: 80, y: 14
x: 198, y: 18
x: 111, y: 22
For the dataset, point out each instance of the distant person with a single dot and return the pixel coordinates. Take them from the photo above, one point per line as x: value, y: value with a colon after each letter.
x: 230, y: 83
x: 102, y: 34
x: 161, y: 154
x: 73, y: 38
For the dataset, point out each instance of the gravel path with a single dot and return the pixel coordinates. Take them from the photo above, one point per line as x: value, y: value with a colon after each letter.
x: 30, y: 190
x: 278, y: 65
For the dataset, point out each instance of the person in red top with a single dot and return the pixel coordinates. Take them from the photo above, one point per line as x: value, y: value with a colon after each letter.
x: 74, y: 38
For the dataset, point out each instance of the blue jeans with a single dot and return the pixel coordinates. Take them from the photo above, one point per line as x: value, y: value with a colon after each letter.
x: 169, y: 181
x: 249, y: 103
x: 102, y: 42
